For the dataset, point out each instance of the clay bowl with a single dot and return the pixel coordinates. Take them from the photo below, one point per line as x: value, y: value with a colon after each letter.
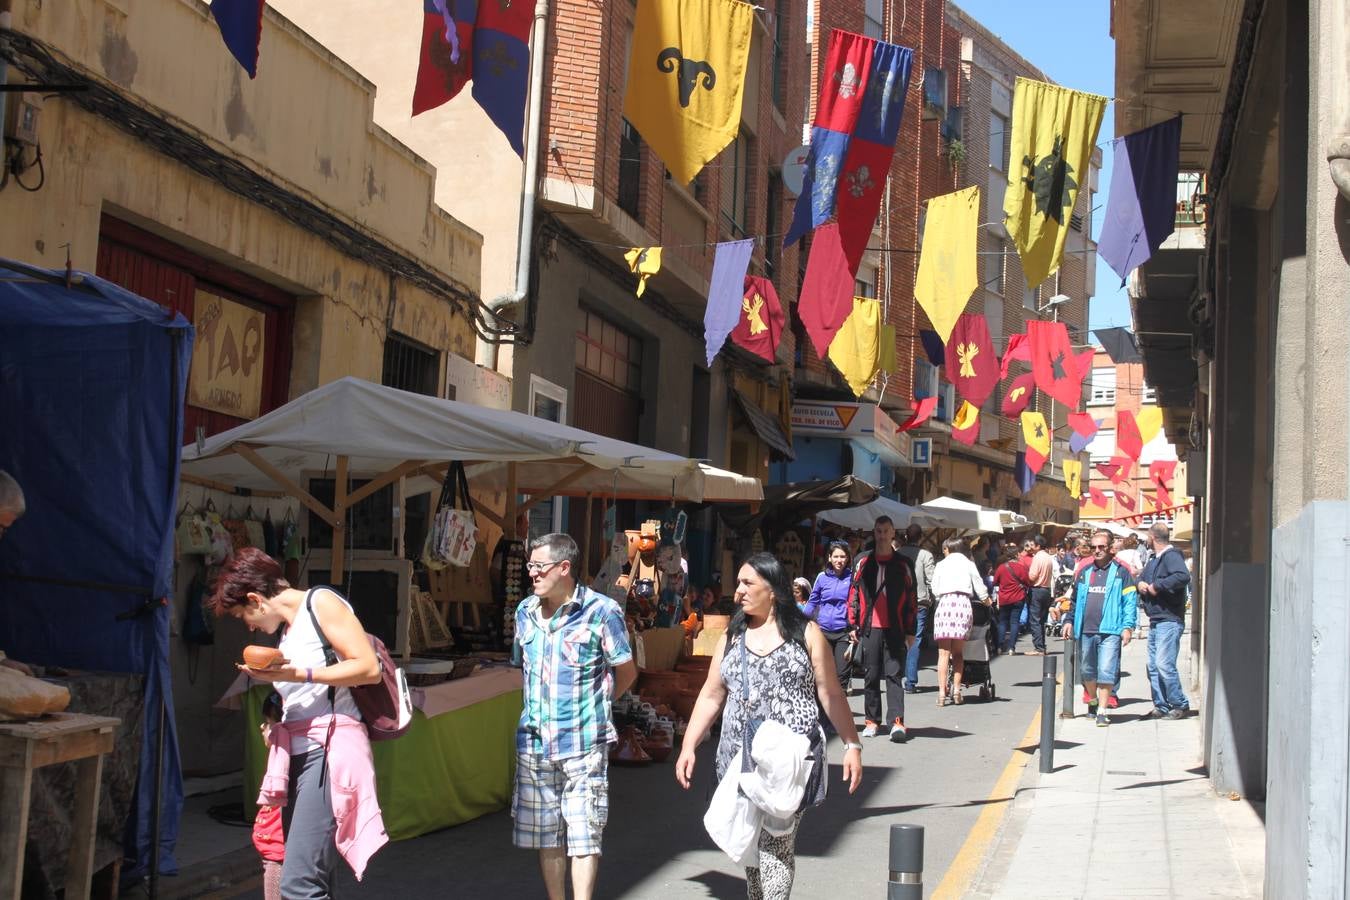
x: 659, y: 748
x: 256, y: 657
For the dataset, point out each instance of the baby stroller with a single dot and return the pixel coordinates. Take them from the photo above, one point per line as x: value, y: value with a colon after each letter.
x: 978, y: 650
x: 1057, y: 615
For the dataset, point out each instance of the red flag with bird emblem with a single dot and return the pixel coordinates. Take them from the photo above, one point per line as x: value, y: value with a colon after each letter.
x: 1018, y: 396
x: 970, y: 359
x: 761, y: 324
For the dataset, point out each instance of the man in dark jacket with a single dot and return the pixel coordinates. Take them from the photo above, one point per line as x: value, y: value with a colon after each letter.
x: 1162, y: 587
x: 882, y: 608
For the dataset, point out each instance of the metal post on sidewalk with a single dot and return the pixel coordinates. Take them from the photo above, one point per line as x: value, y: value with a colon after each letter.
x: 906, y: 881
x: 1070, y: 671
x: 1048, y: 713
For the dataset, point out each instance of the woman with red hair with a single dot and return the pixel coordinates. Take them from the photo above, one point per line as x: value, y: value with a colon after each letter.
x: 320, y: 727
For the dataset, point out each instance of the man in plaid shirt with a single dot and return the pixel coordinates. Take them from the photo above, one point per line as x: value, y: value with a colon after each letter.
x: 572, y: 644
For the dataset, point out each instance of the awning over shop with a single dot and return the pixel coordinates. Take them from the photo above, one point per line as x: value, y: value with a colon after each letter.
x: 785, y: 504
x: 382, y: 430
x: 765, y: 426
x: 953, y: 513
x: 865, y: 424
x: 865, y: 516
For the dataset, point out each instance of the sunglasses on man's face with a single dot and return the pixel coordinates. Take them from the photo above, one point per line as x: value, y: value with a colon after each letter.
x: 1101, y: 546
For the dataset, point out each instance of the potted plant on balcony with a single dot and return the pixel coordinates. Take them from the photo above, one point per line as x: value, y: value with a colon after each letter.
x: 956, y: 152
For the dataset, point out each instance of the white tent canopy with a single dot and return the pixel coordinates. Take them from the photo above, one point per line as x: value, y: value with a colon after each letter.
x: 379, y: 428
x: 864, y: 517
x: 953, y: 513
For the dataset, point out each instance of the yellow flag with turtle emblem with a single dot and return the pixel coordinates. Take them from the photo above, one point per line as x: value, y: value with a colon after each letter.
x: 686, y: 72
x: 1053, y: 133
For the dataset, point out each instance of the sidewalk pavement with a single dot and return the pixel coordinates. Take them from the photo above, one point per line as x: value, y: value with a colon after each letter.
x: 1128, y: 811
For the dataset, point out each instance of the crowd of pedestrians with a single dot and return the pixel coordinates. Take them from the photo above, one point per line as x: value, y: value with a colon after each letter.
x: 777, y: 684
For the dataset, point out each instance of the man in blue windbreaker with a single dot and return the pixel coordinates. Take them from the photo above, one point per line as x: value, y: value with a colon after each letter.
x: 1104, y: 615
x: 1162, y: 587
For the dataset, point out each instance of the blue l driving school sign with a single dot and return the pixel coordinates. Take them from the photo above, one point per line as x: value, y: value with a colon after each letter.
x: 921, y: 452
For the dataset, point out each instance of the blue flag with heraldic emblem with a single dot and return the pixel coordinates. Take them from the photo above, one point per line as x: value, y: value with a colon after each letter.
x: 483, y: 41
x: 240, y: 23
x: 863, y: 86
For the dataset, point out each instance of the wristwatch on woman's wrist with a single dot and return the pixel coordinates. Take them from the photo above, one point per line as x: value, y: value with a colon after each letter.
x: 850, y: 745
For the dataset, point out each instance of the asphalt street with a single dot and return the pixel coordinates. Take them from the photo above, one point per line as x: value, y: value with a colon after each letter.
x: 655, y: 845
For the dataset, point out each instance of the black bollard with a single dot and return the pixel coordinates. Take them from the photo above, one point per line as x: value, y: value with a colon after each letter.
x: 906, y: 863
x: 1048, y: 713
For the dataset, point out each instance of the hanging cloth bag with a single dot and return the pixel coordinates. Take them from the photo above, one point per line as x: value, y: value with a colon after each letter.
x: 454, y: 531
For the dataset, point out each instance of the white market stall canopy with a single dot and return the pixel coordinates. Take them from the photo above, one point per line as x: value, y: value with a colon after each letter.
x: 355, y: 428
x: 864, y: 517
x: 954, y: 513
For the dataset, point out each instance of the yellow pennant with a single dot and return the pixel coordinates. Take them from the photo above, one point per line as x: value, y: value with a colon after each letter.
x: 1150, y: 422
x: 643, y: 262
x: 686, y: 72
x: 1053, y: 131
x: 947, y: 274
x: 1073, y: 477
x: 856, y: 348
x: 886, y: 361
x: 1036, y: 433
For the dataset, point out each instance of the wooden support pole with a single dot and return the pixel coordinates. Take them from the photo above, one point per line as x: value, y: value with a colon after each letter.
x: 339, y: 521
x: 387, y: 478
x: 511, y: 501
x: 228, y: 488
x: 287, y: 485
x: 554, y: 489
x: 586, y: 542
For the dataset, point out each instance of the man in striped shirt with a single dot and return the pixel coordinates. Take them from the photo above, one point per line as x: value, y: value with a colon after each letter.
x: 572, y: 644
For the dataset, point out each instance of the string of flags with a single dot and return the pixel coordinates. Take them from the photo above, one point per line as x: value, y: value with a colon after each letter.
x: 684, y: 94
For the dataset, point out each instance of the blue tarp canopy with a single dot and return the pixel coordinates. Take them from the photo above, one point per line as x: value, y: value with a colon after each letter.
x: 92, y: 381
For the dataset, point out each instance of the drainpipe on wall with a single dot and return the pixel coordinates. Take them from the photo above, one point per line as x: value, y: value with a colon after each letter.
x: 487, y: 353
x: 1338, y: 148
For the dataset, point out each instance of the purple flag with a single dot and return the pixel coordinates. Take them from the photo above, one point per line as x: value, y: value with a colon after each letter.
x: 725, y: 293
x: 1141, y: 212
x: 1026, y: 479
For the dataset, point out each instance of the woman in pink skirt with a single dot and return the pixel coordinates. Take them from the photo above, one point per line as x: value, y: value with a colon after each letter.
x: 956, y: 583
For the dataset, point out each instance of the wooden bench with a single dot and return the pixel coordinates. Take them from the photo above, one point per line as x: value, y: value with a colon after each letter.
x: 25, y: 746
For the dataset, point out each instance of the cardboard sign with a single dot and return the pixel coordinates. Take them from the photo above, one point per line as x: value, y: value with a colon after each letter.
x: 227, y: 357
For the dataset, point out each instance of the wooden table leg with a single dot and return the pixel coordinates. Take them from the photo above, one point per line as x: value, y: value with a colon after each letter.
x: 16, y: 785
x: 83, y: 825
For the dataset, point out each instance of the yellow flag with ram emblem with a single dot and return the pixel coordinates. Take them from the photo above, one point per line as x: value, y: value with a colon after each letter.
x: 686, y: 74
x: 1053, y: 133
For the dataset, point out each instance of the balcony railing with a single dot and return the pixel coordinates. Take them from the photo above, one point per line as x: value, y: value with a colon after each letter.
x: 1192, y: 190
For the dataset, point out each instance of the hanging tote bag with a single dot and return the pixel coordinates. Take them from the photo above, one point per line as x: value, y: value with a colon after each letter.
x: 454, y: 531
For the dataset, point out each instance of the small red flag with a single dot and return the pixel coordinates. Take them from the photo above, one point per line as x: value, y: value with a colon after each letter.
x: 1019, y: 395
x: 1160, y: 472
x: 1128, y: 439
x: 1125, y: 497
x: 1098, y: 496
x: 1164, y: 498
x: 1108, y: 471
x: 761, y: 323
x: 1125, y: 468
x: 1017, y: 349
x: 970, y: 360
x: 1054, y: 363
x: 1083, y: 424
x: 922, y: 410
x: 966, y: 424
x: 827, y: 291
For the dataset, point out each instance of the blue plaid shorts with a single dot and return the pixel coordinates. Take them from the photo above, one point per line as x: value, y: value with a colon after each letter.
x: 563, y: 799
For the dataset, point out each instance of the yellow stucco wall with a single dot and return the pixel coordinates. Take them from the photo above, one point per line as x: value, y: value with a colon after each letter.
x: 305, y: 124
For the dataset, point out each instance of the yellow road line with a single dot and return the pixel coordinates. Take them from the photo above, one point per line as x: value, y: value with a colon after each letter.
x: 969, y: 858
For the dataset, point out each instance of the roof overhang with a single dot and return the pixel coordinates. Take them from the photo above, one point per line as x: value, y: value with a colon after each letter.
x: 1175, y: 57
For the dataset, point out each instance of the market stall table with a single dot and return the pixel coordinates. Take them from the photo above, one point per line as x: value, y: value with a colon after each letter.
x: 27, y: 746
x: 454, y: 764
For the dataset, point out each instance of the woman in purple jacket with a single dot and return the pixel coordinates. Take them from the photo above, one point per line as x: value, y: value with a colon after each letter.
x: 828, y: 606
